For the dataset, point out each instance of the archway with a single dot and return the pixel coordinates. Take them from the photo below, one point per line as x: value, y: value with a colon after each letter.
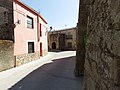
x: 53, y: 45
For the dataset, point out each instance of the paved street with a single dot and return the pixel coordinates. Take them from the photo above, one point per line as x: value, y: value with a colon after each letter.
x: 57, y: 74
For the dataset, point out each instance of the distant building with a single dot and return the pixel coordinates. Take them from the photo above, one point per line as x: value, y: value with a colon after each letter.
x: 64, y: 39
x: 23, y: 35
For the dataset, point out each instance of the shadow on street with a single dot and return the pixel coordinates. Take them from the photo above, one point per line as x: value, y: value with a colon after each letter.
x: 58, y: 75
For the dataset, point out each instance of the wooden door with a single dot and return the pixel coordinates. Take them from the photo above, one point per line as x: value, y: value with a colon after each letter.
x: 40, y: 49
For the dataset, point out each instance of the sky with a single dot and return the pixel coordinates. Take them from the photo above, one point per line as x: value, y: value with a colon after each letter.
x: 59, y: 14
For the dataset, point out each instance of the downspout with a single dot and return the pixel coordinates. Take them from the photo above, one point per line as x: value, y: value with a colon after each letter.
x: 38, y: 31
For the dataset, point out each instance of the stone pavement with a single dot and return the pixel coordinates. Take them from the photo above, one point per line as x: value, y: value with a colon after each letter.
x: 52, y: 72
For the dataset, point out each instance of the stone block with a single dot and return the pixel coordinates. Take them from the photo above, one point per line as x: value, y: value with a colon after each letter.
x: 6, y: 55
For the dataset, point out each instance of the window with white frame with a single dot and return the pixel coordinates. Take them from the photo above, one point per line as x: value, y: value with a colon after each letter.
x: 30, y: 47
x: 30, y: 22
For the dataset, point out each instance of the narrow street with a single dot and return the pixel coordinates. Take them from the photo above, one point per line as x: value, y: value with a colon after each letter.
x: 57, y: 75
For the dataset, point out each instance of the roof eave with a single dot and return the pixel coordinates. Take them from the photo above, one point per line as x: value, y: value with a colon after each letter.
x: 30, y: 9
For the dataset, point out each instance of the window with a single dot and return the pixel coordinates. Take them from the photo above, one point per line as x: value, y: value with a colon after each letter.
x: 29, y: 22
x: 30, y: 47
x: 40, y: 30
x: 69, y: 44
x: 68, y: 36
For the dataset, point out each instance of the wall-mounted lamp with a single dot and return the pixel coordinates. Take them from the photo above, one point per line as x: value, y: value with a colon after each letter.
x: 51, y: 28
x: 18, y: 22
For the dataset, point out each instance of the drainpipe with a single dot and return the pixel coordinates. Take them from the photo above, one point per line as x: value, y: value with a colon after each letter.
x: 38, y: 31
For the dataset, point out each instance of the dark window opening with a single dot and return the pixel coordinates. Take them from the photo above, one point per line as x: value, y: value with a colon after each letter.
x: 53, y: 45
x: 30, y: 47
x: 69, y: 44
x: 68, y: 36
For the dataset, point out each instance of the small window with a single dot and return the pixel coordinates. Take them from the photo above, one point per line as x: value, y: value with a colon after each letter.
x: 30, y: 47
x: 40, y: 30
x: 68, y: 36
x: 69, y: 44
x: 29, y: 22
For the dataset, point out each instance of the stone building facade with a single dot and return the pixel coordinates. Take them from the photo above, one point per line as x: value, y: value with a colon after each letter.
x: 102, y: 60
x: 81, y: 37
x: 23, y: 35
x: 64, y: 39
x: 6, y: 35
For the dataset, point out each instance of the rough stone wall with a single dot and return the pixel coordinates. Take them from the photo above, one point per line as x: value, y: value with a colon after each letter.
x: 25, y: 58
x: 81, y: 34
x: 3, y: 18
x: 102, y: 64
x: 6, y: 20
x: 6, y: 55
x: 6, y: 35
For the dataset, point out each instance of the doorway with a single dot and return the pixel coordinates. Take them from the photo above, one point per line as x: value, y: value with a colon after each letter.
x: 53, y: 45
x: 40, y: 49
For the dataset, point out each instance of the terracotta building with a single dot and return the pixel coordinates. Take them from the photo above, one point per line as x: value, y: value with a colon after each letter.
x: 23, y: 35
x: 64, y: 39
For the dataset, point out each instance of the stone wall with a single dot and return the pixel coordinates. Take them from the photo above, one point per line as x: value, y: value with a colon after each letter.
x: 64, y: 36
x: 6, y: 20
x: 3, y: 15
x: 6, y: 55
x: 25, y: 58
x: 81, y: 36
x: 6, y: 35
x: 102, y: 64
x: 52, y: 37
